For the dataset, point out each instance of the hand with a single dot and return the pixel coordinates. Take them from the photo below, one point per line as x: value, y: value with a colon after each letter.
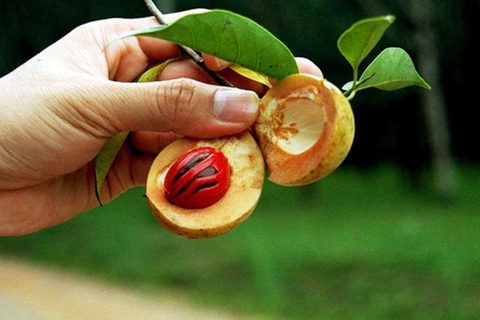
x: 59, y: 109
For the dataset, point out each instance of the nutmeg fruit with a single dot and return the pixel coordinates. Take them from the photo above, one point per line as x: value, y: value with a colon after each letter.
x: 204, y: 188
x: 187, y: 187
x: 305, y: 129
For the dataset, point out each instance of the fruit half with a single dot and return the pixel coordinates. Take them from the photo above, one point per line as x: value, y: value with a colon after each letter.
x: 246, y: 182
x: 305, y: 129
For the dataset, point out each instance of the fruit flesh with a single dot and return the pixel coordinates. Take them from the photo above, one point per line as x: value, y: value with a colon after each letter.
x: 246, y: 183
x: 293, y: 131
x: 305, y: 129
x: 342, y: 138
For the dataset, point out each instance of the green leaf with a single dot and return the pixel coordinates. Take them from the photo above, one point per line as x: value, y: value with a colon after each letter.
x: 392, y: 69
x: 231, y: 37
x: 357, y: 42
x: 104, y: 160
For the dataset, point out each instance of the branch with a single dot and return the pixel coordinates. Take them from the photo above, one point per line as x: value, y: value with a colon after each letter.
x: 189, y: 51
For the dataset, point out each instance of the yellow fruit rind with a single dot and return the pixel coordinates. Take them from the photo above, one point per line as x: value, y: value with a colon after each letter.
x: 330, y: 147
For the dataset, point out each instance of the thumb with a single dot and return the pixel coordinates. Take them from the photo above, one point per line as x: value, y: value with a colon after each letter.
x: 184, y: 106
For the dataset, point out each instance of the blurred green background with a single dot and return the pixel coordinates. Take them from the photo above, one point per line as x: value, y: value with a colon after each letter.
x: 392, y: 234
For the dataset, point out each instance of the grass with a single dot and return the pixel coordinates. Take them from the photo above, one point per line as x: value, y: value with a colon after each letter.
x: 358, y: 245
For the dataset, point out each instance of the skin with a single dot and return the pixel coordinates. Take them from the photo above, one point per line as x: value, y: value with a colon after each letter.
x: 59, y: 108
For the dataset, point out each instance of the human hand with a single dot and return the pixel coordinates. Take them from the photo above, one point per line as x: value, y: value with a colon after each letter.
x: 60, y: 108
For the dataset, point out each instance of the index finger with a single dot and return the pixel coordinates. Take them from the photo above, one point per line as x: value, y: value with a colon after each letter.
x: 129, y: 57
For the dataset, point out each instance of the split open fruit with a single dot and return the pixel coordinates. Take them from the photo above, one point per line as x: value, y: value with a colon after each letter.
x: 204, y: 188
x: 305, y: 128
x: 199, y: 166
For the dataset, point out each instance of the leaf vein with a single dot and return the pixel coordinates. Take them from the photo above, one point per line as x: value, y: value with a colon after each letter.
x: 237, y: 58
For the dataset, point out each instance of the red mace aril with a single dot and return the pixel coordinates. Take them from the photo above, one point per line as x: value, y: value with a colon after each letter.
x: 198, y: 179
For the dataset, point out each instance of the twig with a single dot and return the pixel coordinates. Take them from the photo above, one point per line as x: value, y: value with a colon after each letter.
x: 189, y: 51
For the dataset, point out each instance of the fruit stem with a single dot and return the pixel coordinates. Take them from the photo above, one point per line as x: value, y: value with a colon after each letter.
x: 355, y: 79
x: 351, y: 92
x: 192, y: 53
x: 350, y: 95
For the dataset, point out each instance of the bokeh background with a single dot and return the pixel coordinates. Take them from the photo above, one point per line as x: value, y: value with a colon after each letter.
x: 392, y: 234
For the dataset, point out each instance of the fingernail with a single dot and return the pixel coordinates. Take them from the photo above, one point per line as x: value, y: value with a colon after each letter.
x: 235, y: 105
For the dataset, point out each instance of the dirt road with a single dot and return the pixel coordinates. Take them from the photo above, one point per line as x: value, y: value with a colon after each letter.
x: 32, y: 292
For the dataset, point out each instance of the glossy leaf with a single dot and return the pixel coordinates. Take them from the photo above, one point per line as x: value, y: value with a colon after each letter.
x: 357, y: 42
x: 393, y: 69
x: 231, y: 37
x: 252, y: 75
x: 104, y: 160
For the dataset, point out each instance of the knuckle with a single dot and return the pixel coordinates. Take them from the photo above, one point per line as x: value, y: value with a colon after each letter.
x: 162, y: 105
x: 184, y: 91
x: 176, y: 100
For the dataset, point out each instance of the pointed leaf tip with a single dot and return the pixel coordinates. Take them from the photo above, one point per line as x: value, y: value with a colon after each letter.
x: 252, y: 75
x: 104, y: 160
x: 392, y: 69
x: 360, y: 39
x: 390, y: 18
